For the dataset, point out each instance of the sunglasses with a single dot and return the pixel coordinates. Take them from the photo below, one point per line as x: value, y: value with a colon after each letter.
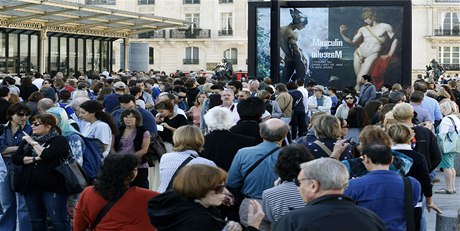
x: 46, y: 83
x: 36, y: 124
x: 22, y: 114
x: 297, y: 181
x: 219, y: 188
x: 349, y: 98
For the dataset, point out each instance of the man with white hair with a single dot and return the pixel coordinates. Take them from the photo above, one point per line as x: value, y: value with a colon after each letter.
x: 254, y: 87
x: 321, y: 184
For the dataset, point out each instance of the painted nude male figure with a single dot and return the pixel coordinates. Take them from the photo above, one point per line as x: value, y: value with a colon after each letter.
x: 373, y: 35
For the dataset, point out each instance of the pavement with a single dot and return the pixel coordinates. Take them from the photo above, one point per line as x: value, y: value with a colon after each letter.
x: 448, y: 203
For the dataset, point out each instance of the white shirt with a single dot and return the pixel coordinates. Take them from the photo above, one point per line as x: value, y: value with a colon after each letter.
x: 171, y: 161
x: 304, y: 92
x: 101, y: 131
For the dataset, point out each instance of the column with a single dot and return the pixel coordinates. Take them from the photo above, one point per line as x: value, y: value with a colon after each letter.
x: 126, y: 46
x: 41, y: 52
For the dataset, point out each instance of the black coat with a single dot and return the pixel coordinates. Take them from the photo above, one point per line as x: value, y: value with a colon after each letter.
x: 427, y: 145
x: 222, y: 146
x: 331, y: 212
x: 248, y: 128
x: 419, y: 171
x: 42, y: 177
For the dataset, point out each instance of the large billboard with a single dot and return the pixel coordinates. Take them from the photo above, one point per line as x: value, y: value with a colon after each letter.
x: 333, y: 45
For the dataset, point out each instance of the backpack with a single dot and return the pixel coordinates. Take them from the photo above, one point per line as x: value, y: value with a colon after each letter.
x: 92, y: 157
x: 68, y: 109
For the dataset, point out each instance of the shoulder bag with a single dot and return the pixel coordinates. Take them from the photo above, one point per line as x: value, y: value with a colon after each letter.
x: 449, y: 143
x: 186, y: 161
x: 104, y: 211
x: 74, y: 176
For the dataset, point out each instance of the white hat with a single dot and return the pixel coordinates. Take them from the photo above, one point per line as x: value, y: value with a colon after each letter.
x: 119, y: 85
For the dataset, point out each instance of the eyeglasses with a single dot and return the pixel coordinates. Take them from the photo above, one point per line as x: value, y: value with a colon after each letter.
x: 219, y: 188
x: 297, y: 181
x: 36, y: 124
x: 22, y: 114
x: 349, y: 98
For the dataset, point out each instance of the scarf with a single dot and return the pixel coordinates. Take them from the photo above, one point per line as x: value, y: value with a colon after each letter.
x: 41, y: 139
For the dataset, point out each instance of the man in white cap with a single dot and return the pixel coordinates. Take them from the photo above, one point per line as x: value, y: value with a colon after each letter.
x: 319, y: 102
x: 111, y: 100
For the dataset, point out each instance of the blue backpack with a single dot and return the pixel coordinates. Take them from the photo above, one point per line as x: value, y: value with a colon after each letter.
x: 92, y: 157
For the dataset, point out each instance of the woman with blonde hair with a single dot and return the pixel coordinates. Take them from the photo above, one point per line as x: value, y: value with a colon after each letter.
x: 450, y: 123
x: 198, y: 190
x: 188, y: 141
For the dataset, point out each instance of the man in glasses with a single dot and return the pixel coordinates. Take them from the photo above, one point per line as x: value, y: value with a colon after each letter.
x: 319, y: 102
x: 321, y: 184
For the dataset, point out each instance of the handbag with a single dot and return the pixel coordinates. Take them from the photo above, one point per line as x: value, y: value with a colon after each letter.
x: 155, y: 151
x: 449, y: 143
x: 74, y: 176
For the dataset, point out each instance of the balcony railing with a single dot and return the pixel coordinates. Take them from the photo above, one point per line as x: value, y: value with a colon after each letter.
x: 225, y: 32
x: 153, y: 34
x: 451, y: 67
x: 191, y: 61
x: 100, y: 2
x: 225, y: 1
x: 187, y: 33
x: 191, y: 1
x: 447, y: 32
x: 448, y: 1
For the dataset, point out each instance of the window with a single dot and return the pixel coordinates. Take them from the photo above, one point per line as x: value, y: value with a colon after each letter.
x: 225, y: 1
x: 145, y: 2
x: 232, y: 55
x: 195, y: 19
x: 226, y: 24
x: 191, y: 1
x: 192, y: 55
x: 100, y: 2
x: 449, y: 23
x: 449, y: 57
x: 151, y: 55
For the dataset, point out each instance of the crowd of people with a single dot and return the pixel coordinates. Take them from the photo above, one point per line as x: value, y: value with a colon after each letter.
x: 240, y: 154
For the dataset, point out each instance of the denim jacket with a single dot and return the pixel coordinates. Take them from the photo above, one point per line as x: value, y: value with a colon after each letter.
x: 8, y: 139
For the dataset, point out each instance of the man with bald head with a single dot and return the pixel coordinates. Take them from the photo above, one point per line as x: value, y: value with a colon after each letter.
x: 44, y: 104
x: 263, y: 156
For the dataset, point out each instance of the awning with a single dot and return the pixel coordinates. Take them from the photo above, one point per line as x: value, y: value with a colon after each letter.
x: 73, y: 18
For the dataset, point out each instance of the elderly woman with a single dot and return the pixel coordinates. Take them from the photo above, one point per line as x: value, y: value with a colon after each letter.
x: 133, y: 138
x: 327, y: 131
x: 450, y: 123
x: 220, y: 144
x: 13, y: 205
x: 113, y: 184
x: 43, y: 187
x: 188, y: 141
x: 198, y: 189
x: 402, y: 138
x: 285, y: 196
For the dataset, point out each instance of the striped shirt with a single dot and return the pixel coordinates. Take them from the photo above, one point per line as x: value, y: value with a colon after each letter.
x: 171, y: 161
x: 280, y: 200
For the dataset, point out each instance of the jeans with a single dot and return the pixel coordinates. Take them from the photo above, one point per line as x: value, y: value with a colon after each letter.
x: 43, y: 204
x: 13, y: 206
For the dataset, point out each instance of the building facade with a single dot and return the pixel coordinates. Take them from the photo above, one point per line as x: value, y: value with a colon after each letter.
x: 436, y: 34
x: 219, y: 30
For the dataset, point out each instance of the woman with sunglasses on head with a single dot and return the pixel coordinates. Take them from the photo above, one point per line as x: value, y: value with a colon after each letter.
x: 113, y: 184
x: 43, y: 187
x: 13, y: 205
x: 191, y: 205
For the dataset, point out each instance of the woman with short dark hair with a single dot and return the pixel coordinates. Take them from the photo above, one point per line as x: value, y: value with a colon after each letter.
x: 113, y: 184
x: 43, y: 187
x: 13, y: 205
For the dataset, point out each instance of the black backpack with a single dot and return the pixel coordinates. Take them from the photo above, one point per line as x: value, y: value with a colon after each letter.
x: 268, y: 106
